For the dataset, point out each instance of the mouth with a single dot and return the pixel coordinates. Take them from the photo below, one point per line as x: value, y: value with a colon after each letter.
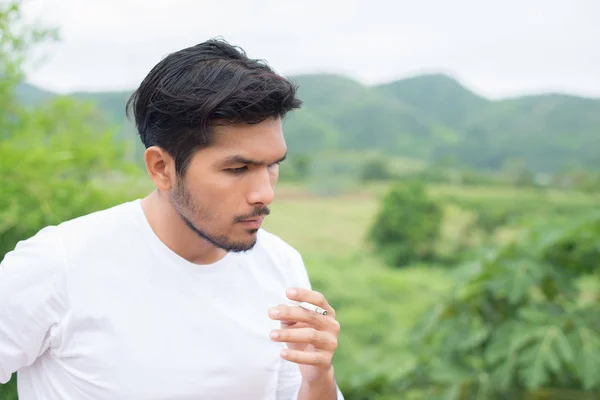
x: 253, y: 223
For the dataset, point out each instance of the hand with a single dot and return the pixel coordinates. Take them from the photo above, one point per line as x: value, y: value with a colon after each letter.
x: 311, y: 338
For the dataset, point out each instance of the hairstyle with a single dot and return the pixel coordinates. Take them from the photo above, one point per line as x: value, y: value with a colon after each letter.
x: 194, y: 89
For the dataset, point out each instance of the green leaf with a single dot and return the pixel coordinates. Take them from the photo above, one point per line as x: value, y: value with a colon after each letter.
x: 453, y: 392
x: 503, y: 375
x: 450, y: 373
x: 537, y: 360
x: 533, y: 315
x: 587, y: 360
x: 564, y: 347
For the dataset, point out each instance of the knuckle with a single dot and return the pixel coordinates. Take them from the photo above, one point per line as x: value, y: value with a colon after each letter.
x: 314, y: 335
x: 316, y: 358
x: 336, y: 326
x: 334, y: 343
x: 321, y: 297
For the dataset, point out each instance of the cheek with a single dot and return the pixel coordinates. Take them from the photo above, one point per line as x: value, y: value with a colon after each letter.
x: 209, y: 194
x: 221, y: 195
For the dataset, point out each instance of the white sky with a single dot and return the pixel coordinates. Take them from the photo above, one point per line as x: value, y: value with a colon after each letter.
x: 497, y: 48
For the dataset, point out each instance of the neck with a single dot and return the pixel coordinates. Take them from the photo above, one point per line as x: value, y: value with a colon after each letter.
x: 170, y: 228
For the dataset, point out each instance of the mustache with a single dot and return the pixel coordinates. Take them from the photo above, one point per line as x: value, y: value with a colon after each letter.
x: 256, y: 213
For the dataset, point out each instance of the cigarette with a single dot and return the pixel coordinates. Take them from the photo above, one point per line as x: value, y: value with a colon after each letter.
x: 312, y: 307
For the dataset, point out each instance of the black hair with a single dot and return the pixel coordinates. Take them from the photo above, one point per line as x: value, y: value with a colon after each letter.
x: 212, y: 83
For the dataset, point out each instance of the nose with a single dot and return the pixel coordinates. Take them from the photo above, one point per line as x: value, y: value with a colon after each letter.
x: 262, y: 191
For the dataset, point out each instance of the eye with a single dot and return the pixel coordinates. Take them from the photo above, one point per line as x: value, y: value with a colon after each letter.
x: 237, y: 171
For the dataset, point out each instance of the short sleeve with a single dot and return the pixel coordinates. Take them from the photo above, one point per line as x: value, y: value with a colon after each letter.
x: 32, y: 299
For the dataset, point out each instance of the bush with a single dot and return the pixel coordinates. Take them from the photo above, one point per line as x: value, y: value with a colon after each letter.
x: 407, y: 226
x: 375, y: 170
x: 516, y: 326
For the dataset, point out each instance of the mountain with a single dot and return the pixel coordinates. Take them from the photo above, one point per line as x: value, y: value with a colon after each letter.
x: 426, y: 117
x: 361, y: 117
x: 33, y: 95
x: 439, y: 97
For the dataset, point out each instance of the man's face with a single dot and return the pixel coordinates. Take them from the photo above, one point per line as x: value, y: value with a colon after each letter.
x: 228, y: 186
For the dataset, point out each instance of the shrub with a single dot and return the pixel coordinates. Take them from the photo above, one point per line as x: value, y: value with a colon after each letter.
x: 375, y: 170
x: 516, y: 327
x: 407, y: 226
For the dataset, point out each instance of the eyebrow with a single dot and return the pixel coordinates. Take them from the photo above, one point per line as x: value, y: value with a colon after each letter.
x: 239, y: 159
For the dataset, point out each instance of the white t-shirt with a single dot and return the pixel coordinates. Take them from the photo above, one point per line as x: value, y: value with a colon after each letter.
x: 100, y: 308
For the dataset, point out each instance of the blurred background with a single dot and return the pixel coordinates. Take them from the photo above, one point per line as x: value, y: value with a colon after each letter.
x: 442, y: 185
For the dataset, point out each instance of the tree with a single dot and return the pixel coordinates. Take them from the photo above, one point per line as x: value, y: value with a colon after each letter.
x: 407, y: 226
x: 16, y: 41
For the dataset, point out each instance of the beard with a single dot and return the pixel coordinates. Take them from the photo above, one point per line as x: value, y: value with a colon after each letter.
x: 188, y: 210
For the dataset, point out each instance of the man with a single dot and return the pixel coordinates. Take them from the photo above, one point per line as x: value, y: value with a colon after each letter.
x: 181, y: 294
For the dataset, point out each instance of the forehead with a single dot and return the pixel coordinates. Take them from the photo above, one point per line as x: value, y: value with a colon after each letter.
x: 248, y: 135
x: 261, y: 141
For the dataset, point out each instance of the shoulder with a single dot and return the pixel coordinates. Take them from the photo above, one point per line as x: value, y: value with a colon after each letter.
x: 48, y: 246
x: 34, y: 272
x: 103, y: 222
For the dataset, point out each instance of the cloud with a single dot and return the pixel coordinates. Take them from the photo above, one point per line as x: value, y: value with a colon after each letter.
x: 498, y: 49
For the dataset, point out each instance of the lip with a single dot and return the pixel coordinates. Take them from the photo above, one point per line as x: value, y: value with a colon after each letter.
x: 253, y: 223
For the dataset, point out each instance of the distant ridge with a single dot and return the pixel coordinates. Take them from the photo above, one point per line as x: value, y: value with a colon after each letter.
x: 427, y: 117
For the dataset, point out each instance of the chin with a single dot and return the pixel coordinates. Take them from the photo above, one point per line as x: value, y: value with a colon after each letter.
x: 242, y: 243
x: 240, y: 247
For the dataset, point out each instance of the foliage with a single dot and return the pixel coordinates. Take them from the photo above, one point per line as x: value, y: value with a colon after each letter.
x: 16, y: 42
x: 375, y: 169
x: 408, y: 224
x: 492, y: 215
x: 516, y: 324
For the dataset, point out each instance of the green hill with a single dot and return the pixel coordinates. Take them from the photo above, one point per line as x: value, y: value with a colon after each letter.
x: 547, y: 132
x: 363, y: 118
x: 438, y: 97
x: 426, y: 117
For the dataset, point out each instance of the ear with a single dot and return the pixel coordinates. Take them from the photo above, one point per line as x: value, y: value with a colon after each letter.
x: 161, y: 168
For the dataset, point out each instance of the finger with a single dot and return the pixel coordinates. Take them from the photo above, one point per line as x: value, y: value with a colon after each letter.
x: 319, y: 339
x: 290, y: 314
x: 308, y: 357
x: 310, y: 296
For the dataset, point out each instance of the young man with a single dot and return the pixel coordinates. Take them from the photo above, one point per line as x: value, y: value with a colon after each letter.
x: 180, y: 295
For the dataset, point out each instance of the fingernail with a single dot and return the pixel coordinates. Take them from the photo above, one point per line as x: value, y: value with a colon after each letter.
x: 292, y: 293
x: 284, y: 354
x: 274, y: 335
x: 273, y: 312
